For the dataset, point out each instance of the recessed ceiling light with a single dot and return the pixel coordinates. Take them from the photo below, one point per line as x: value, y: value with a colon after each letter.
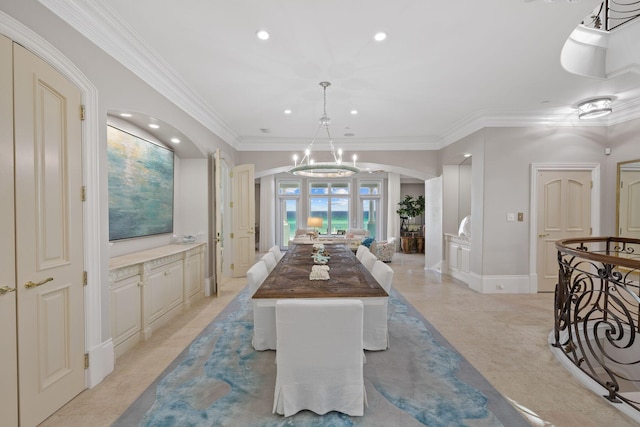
x: 354, y: 112
x: 380, y: 36
x: 154, y: 126
x: 175, y: 140
x: 262, y: 34
x: 125, y: 115
x: 466, y: 155
x: 287, y: 111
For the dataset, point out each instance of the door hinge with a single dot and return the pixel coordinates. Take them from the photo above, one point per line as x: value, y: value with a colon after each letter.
x: 231, y: 235
x: 84, y: 278
x: 83, y: 193
x: 86, y: 361
x: 590, y: 231
x: 620, y: 184
x: 231, y: 204
x: 233, y: 267
x: 231, y: 174
x: 82, y: 112
x: 591, y: 185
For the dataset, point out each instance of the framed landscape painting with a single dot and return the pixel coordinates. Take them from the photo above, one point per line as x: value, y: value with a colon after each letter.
x: 140, y: 186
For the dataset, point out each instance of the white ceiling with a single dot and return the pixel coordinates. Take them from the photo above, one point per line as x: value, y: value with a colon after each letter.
x: 446, y: 69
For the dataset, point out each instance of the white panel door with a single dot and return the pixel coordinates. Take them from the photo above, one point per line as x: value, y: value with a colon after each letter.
x: 629, y: 207
x: 8, y: 338
x: 49, y: 268
x: 564, y: 211
x: 244, y: 240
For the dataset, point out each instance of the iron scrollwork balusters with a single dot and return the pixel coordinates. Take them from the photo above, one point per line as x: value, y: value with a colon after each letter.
x: 597, y: 311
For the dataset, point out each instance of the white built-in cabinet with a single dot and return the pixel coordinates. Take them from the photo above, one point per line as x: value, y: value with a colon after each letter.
x: 150, y: 287
x: 457, y: 256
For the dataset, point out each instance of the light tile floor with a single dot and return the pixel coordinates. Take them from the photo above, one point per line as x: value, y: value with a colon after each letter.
x: 503, y: 336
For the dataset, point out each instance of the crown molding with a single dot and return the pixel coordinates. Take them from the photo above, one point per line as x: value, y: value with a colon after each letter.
x: 100, y: 24
x: 347, y: 144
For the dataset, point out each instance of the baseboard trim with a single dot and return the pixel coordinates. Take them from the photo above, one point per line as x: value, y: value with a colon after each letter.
x: 497, y: 284
x: 101, y: 363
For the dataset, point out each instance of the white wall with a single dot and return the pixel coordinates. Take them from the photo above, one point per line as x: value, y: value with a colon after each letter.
x: 192, y: 199
x: 433, y: 239
x: 509, y: 153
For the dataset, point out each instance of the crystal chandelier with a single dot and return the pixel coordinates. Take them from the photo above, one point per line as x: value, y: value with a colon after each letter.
x: 336, y: 169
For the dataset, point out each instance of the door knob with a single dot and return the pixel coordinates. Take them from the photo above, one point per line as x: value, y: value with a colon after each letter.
x: 6, y: 289
x: 543, y: 235
x: 31, y: 284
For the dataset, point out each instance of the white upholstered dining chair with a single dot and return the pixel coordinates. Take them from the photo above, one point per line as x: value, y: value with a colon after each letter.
x: 319, y: 357
x: 264, y: 318
x: 275, y: 250
x: 270, y: 259
x: 369, y: 260
x: 376, y: 329
x: 256, y: 275
x: 361, y: 251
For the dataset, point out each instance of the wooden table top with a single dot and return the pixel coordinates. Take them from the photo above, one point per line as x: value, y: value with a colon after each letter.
x: 348, y: 277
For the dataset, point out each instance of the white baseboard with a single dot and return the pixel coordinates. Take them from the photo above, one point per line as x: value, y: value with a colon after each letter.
x: 207, y: 286
x: 503, y: 284
x: 101, y: 363
x: 436, y: 267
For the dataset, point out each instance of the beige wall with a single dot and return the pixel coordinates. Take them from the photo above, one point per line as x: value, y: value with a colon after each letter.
x: 508, y: 154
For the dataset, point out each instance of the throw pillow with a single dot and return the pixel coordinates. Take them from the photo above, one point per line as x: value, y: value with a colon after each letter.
x: 367, y: 242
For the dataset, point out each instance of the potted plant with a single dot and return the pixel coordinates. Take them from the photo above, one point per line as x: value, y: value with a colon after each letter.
x: 409, y: 208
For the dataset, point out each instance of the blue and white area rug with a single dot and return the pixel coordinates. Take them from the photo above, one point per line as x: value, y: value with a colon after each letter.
x: 220, y: 380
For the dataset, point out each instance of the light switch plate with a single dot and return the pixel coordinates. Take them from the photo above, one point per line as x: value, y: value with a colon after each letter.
x: 520, y: 216
x: 511, y: 217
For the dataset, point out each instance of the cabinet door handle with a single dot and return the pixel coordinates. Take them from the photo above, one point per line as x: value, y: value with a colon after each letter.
x: 6, y: 289
x: 31, y: 284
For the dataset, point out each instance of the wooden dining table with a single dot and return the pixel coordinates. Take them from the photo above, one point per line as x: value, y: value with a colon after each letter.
x: 348, y: 277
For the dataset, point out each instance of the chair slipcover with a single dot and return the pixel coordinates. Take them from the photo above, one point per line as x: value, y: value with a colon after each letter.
x: 264, y: 318
x: 368, y: 259
x: 270, y: 259
x: 319, y: 357
x: 275, y: 250
x: 360, y: 251
x: 256, y: 275
x: 376, y: 332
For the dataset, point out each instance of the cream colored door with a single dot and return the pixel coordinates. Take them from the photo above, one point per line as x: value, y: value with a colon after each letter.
x: 243, y: 209
x: 629, y: 218
x: 564, y: 211
x: 49, y: 250
x: 8, y: 336
x: 218, y: 208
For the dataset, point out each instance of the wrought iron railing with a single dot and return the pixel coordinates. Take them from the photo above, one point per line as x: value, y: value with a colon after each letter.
x: 611, y: 14
x: 597, y: 312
